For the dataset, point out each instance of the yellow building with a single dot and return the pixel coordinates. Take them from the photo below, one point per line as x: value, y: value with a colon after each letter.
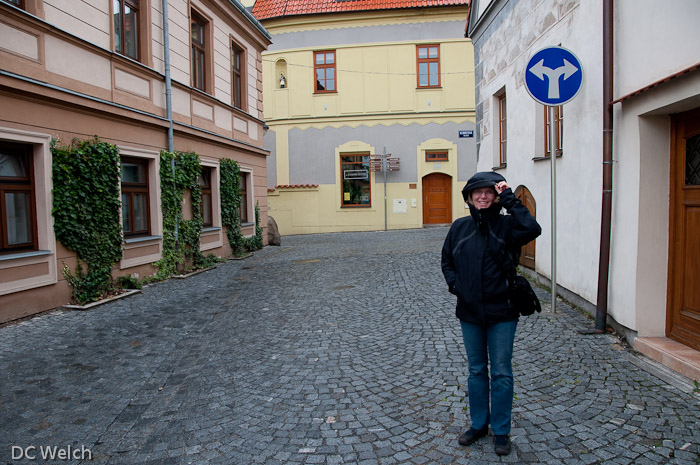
x: 345, y: 82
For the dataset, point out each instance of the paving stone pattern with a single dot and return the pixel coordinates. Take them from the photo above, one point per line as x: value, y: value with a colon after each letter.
x: 331, y: 349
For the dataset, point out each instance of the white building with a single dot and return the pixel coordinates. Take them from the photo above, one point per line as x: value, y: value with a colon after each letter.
x: 653, y: 289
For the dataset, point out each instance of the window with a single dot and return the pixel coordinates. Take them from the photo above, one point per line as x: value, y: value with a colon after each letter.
x: 205, y: 185
x: 126, y: 26
x: 435, y: 156
x: 17, y: 3
x: 502, y: 130
x: 354, y: 171
x: 244, y: 198
x: 428, y: 65
x: 237, y: 65
x: 324, y: 66
x: 558, y: 130
x: 18, y: 225
x: 198, y: 29
x: 135, y: 204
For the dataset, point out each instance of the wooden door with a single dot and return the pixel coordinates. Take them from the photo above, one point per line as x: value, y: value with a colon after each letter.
x: 527, y: 253
x: 683, y: 314
x: 437, y: 199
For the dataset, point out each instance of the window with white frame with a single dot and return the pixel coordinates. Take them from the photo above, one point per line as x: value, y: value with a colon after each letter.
x: 558, y: 131
x: 17, y: 204
x: 502, y: 130
x: 247, y: 211
x: 135, y: 197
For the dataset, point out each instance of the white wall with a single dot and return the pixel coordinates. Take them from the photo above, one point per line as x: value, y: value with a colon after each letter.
x: 530, y: 26
x: 653, y: 40
x: 648, y: 47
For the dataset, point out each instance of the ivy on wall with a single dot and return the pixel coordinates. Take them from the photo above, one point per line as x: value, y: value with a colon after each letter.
x: 86, y: 206
x: 230, y: 189
x: 86, y: 210
x: 179, y: 173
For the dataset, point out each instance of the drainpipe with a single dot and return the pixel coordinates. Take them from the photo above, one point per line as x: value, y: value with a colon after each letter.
x: 168, y: 96
x: 606, y: 211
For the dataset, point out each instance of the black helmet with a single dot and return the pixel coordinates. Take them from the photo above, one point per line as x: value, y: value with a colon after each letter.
x: 481, y: 179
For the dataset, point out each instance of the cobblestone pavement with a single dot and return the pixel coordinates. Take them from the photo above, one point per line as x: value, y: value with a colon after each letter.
x: 331, y: 349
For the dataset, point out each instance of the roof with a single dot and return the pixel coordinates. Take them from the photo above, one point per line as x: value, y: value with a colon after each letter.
x: 252, y: 19
x: 267, y: 9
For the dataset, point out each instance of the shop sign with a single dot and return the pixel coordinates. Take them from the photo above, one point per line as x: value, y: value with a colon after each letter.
x: 356, y: 174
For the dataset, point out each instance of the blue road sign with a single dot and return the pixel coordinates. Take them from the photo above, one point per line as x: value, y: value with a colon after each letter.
x: 553, y: 76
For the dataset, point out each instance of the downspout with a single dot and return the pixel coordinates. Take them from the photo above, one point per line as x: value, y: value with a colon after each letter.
x: 169, y: 97
x: 168, y: 83
x: 606, y: 210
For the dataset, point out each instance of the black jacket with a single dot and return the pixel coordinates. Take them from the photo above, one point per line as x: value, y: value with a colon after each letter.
x: 470, y: 271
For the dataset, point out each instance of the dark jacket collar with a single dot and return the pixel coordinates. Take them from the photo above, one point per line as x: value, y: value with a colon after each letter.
x: 485, y: 216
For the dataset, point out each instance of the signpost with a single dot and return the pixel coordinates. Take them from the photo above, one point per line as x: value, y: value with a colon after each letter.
x: 553, y: 77
x: 384, y: 163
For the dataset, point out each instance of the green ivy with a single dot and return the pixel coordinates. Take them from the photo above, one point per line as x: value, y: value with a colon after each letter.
x: 184, y: 249
x: 255, y: 242
x: 86, y: 206
x: 230, y: 189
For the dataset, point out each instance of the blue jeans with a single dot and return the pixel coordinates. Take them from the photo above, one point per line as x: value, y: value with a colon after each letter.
x: 494, y: 343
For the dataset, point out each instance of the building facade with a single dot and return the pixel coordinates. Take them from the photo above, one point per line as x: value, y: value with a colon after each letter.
x: 74, y: 70
x: 652, y: 289
x: 348, y: 82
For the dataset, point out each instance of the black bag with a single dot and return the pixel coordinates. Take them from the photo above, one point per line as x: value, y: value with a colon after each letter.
x: 520, y: 292
x: 523, y: 297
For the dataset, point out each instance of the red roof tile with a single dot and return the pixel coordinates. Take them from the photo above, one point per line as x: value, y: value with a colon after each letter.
x: 267, y: 9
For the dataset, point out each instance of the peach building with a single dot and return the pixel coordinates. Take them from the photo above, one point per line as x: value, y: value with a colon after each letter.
x: 111, y: 69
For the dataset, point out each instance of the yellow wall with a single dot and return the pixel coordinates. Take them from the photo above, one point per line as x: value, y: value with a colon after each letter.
x: 376, y: 85
x: 375, y: 79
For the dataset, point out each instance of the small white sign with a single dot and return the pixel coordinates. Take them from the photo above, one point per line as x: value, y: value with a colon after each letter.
x: 400, y: 206
x: 355, y: 174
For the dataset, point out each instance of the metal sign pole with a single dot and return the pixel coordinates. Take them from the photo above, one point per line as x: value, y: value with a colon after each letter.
x: 384, y: 167
x: 553, y: 160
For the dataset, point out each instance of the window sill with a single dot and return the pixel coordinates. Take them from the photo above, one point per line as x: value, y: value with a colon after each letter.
x: 133, y: 240
x: 428, y: 87
x: 247, y: 225
x: 209, y: 229
x: 501, y: 167
x: 38, y: 268
x: 19, y: 255
x: 541, y: 158
x: 326, y: 93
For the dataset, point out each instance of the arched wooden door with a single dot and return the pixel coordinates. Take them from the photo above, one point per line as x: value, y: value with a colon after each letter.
x: 437, y: 199
x: 683, y: 312
x: 527, y: 253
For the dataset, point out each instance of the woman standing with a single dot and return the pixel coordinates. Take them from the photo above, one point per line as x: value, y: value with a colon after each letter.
x: 486, y: 316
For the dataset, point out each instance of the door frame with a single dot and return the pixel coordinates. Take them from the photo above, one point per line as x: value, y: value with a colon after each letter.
x: 679, y: 133
x: 449, y: 180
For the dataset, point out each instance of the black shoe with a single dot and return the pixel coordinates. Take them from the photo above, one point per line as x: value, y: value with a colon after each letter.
x: 471, y: 435
x: 501, y: 444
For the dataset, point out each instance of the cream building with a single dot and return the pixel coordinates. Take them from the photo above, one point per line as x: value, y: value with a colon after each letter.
x: 74, y: 69
x: 346, y: 82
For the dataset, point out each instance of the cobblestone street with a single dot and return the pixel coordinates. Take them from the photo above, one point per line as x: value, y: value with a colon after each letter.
x: 331, y: 349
